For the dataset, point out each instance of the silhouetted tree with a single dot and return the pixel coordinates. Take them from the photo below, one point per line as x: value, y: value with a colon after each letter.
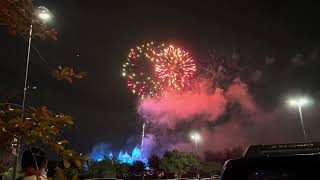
x: 122, y: 169
x: 222, y: 156
x: 207, y: 169
x: 178, y: 162
x: 7, y: 158
x: 101, y: 169
x: 138, y: 167
x: 154, y: 162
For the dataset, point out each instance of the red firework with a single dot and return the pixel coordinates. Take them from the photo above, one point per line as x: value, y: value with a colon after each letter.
x: 154, y: 70
x: 174, y: 68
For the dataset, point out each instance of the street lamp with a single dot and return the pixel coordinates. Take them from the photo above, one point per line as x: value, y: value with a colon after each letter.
x: 44, y: 15
x: 195, y: 137
x: 300, y: 102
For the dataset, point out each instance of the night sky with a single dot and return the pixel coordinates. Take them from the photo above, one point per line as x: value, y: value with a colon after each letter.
x: 95, y: 36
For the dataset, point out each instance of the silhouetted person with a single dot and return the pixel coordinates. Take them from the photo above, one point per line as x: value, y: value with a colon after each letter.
x: 34, y: 163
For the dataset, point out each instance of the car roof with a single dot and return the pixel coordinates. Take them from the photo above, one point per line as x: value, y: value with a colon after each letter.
x: 300, y: 163
x: 282, y: 149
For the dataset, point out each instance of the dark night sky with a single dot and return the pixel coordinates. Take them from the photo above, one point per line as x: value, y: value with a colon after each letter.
x: 102, y: 32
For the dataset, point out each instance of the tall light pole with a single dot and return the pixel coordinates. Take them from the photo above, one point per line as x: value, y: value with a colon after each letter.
x: 195, y: 137
x: 44, y: 15
x: 142, y: 135
x: 300, y: 102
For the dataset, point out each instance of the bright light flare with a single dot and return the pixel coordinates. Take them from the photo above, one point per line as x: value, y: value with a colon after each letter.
x: 195, y: 136
x: 43, y: 13
x: 44, y: 16
x: 299, y: 101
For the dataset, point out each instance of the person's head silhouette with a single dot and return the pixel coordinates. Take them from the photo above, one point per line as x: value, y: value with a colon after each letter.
x: 34, y: 162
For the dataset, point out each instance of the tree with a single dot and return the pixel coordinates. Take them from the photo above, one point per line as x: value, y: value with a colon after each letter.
x: 36, y: 126
x: 207, y: 169
x: 40, y: 127
x: 138, y: 167
x: 222, y: 156
x: 105, y: 168
x: 6, y: 159
x: 154, y: 162
x: 178, y: 163
x: 18, y: 16
x: 122, y: 169
x: 67, y: 73
x: 7, y: 175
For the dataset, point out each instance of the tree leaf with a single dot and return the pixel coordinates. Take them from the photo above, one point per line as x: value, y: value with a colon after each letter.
x: 59, y: 173
x: 56, y: 148
x: 66, y: 163
x: 78, y: 163
x: 67, y: 73
x: 69, y: 120
x: 68, y: 153
x: 29, y: 139
x: 65, y: 141
x: 84, y: 158
x: 13, y: 121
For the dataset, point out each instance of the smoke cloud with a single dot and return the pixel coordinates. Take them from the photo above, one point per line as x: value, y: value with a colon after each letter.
x: 149, y: 145
x: 225, y: 118
x: 180, y: 108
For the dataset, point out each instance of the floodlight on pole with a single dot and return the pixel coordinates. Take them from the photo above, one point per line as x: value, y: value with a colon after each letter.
x: 43, y: 14
x: 300, y: 102
x: 195, y: 137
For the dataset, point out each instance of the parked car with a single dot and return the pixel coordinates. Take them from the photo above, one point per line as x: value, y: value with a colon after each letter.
x: 277, y: 162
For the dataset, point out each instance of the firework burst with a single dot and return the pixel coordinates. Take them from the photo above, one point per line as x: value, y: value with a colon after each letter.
x: 153, y: 70
x: 139, y: 71
x: 174, y: 68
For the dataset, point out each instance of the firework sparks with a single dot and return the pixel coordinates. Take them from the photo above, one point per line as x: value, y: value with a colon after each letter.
x: 174, y: 67
x: 139, y: 73
x: 153, y: 70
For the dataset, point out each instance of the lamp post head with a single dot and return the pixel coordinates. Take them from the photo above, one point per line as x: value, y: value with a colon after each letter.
x: 195, y: 136
x: 43, y: 14
x: 299, y: 101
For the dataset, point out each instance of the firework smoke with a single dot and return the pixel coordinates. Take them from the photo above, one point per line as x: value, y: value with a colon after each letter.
x: 176, y: 108
x: 225, y: 118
